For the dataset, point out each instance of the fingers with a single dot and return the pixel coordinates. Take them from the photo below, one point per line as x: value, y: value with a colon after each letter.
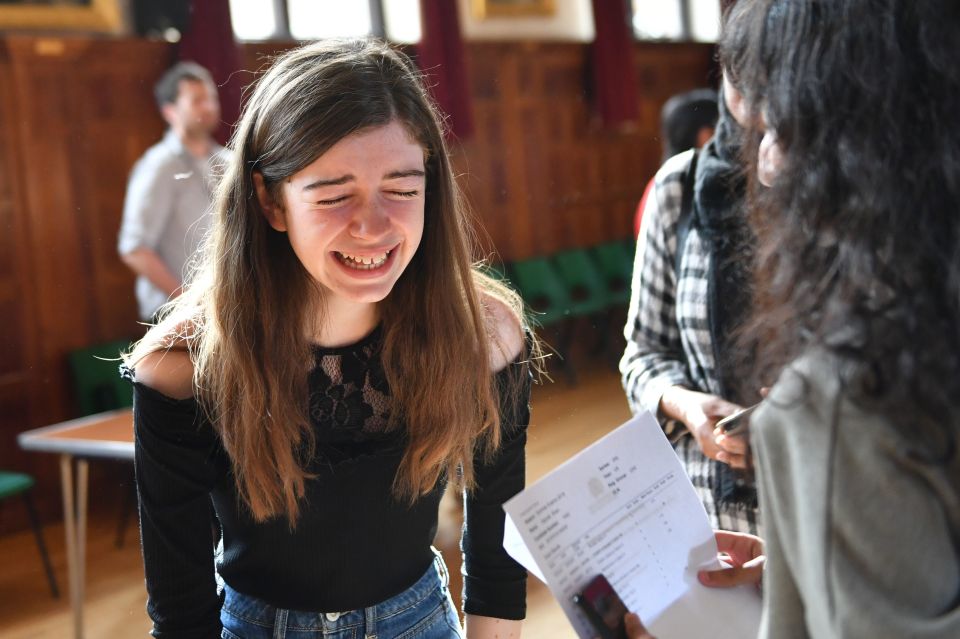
x: 734, y: 444
x: 694, y: 408
x: 749, y: 573
x: 717, y: 408
x: 740, y: 547
x: 704, y: 436
x: 635, y: 629
x: 733, y: 449
x: 734, y: 461
x: 745, y: 553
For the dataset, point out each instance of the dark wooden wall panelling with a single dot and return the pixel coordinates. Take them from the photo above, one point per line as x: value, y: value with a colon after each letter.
x: 540, y: 172
x: 75, y: 114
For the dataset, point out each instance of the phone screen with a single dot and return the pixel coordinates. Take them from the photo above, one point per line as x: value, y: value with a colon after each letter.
x: 603, y: 608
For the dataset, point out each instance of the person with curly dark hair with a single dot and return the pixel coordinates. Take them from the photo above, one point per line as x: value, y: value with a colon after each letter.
x: 857, y: 313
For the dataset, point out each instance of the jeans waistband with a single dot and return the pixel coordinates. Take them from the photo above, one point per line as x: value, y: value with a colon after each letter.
x: 257, y: 611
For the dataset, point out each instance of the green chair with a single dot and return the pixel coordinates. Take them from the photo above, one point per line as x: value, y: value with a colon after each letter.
x: 12, y: 484
x: 593, y: 298
x: 586, y: 286
x: 545, y: 294
x: 542, y: 290
x: 97, y: 382
x: 99, y: 387
x: 616, y: 266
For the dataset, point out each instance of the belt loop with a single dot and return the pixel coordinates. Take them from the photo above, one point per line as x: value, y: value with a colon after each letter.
x: 441, y: 567
x: 280, y: 623
x: 370, y: 619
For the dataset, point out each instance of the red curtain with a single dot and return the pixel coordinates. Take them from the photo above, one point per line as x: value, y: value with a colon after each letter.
x: 210, y: 42
x: 441, y: 57
x: 614, y: 76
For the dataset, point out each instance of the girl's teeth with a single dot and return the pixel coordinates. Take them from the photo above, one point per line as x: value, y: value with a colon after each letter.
x: 364, y: 262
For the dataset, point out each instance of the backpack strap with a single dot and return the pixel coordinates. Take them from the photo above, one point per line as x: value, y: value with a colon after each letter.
x: 686, y: 219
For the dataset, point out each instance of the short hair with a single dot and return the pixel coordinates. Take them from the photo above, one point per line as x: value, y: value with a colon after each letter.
x: 683, y: 116
x: 168, y: 86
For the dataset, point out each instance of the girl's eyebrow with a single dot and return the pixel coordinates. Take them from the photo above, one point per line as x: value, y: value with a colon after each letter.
x: 343, y: 179
x: 317, y: 184
x: 393, y: 175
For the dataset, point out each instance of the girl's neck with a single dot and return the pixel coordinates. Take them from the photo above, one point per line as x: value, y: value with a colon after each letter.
x: 345, y: 323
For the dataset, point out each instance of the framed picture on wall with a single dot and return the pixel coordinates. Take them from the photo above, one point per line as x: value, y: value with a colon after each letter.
x: 56, y: 15
x: 512, y: 8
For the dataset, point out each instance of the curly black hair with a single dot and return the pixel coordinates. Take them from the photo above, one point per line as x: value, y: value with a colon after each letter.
x: 859, y: 235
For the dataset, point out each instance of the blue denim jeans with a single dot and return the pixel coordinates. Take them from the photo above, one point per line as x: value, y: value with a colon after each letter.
x: 422, y: 611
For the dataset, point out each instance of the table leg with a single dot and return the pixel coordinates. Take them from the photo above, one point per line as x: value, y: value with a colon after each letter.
x: 70, y: 527
x: 83, y: 467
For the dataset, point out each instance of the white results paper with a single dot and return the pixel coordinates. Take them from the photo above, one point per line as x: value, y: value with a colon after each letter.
x: 624, y: 507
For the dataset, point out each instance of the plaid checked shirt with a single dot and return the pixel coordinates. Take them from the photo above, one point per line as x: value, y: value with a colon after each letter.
x: 668, y: 335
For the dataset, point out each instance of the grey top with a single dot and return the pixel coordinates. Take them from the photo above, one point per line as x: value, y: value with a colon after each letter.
x: 168, y: 197
x: 862, y: 540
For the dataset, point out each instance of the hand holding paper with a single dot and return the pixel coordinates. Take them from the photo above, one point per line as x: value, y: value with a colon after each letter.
x: 624, y: 508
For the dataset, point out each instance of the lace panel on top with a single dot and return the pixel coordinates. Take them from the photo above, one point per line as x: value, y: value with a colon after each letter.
x: 349, y: 397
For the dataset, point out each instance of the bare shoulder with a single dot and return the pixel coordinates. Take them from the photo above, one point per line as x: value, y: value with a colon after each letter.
x: 167, y: 366
x: 167, y: 371
x: 506, y: 332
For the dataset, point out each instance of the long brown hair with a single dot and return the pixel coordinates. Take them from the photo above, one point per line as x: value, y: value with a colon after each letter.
x: 246, y: 317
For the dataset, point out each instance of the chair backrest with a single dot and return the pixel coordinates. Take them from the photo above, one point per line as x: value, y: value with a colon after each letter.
x: 96, y: 380
x: 14, y: 483
x: 616, y: 265
x: 541, y: 289
x: 585, y: 285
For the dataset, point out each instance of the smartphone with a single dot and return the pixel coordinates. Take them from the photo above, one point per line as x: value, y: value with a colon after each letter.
x: 737, y: 423
x: 603, y: 607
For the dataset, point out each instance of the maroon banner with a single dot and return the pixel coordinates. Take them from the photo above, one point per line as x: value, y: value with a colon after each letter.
x: 614, y: 76
x: 210, y: 43
x: 441, y: 57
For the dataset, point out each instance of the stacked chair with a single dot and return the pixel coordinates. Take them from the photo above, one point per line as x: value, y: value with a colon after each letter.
x: 573, y: 288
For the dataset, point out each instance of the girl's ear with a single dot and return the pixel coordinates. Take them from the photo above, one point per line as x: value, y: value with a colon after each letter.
x: 271, y: 210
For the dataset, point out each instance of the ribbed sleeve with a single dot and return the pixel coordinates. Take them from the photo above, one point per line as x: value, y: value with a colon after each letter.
x: 494, y: 585
x: 175, y: 470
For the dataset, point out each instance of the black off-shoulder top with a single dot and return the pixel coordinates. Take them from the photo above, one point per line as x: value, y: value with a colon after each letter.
x: 354, y: 544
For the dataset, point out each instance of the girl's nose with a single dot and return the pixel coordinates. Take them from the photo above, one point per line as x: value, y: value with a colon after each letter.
x: 370, y: 220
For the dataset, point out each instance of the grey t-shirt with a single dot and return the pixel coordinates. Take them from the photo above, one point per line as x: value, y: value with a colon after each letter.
x: 166, y: 210
x: 862, y: 537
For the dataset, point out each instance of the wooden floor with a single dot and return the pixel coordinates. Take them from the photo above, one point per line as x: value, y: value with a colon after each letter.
x: 564, y: 420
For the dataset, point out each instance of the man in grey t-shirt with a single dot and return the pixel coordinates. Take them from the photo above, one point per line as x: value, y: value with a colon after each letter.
x: 165, y: 215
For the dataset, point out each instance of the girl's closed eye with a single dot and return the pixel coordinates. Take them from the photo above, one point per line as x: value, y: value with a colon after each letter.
x: 404, y: 194
x: 332, y: 201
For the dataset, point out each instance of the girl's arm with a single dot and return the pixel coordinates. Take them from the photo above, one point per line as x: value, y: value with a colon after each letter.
x: 174, y: 463
x: 494, y: 585
x: 478, y: 627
